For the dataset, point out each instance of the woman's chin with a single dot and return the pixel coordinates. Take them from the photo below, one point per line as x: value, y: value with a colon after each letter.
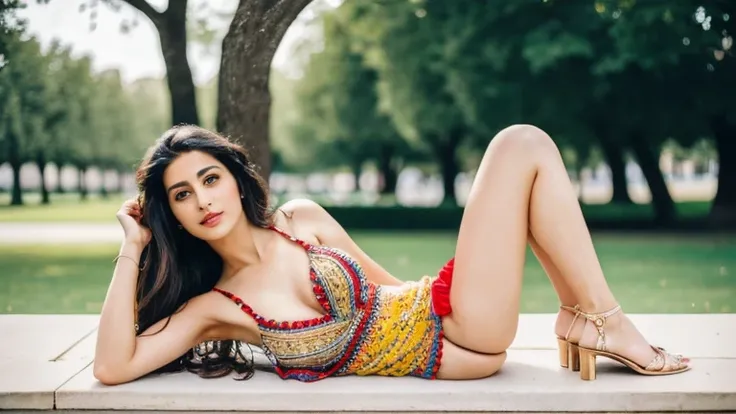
x: 213, y: 233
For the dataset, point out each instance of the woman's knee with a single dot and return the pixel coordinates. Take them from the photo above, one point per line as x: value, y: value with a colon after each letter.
x: 524, y: 141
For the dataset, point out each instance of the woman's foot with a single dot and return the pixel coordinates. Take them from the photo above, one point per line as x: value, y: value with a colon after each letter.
x: 612, y: 331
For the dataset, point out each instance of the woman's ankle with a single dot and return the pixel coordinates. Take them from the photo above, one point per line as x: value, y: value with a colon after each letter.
x: 598, y: 305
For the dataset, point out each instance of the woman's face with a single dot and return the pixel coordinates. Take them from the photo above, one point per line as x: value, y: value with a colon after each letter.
x: 203, y: 195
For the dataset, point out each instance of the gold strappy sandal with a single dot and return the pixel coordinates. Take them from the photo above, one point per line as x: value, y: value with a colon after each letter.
x: 663, y: 363
x: 569, y: 355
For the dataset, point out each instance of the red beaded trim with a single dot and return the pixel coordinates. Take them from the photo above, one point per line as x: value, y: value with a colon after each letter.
x: 319, y: 292
x: 271, y: 323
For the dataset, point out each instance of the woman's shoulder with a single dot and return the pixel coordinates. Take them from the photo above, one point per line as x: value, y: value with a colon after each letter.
x: 302, y: 218
x: 302, y: 209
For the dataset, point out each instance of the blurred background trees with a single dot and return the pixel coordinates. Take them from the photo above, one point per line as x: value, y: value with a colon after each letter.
x: 636, y: 91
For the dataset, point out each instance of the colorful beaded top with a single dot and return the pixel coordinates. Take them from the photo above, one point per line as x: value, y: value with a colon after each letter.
x: 366, y: 330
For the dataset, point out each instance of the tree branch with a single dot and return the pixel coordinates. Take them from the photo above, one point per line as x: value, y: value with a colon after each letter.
x: 177, y: 9
x: 145, y: 8
x: 287, y: 9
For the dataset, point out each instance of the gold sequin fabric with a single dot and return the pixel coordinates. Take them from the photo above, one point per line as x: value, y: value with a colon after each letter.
x: 366, y: 329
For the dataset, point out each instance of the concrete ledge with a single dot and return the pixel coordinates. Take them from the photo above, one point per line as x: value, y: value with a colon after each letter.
x: 531, y: 381
x: 40, y: 356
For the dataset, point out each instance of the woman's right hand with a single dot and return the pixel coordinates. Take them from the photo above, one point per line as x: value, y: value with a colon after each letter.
x: 129, y: 217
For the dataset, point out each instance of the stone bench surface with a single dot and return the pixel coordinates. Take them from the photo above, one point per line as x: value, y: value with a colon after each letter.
x: 41, y: 354
x: 49, y: 367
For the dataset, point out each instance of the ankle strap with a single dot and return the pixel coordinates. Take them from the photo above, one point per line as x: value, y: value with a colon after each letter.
x: 574, y: 309
x: 599, y: 319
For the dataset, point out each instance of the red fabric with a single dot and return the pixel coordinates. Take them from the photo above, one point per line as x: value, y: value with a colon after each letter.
x: 441, y: 289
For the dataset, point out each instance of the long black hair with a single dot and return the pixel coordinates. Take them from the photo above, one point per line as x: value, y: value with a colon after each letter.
x: 178, y: 266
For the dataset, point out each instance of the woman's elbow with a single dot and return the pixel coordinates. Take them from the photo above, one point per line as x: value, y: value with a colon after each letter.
x: 105, y: 375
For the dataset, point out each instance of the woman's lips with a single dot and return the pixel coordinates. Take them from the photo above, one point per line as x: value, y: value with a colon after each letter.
x: 211, y: 220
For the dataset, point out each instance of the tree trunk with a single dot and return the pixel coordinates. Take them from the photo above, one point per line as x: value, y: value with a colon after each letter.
x: 449, y: 168
x: 16, y: 198
x: 388, y: 169
x: 614, y: 155
x: 173, y: 35
x: 59, y: 189
x: 82, y: 185
x: 664, y: 207
x: 723, y: 210
x: 103, y: 187
x: 14, y: 159
x: 446, y: 151
x: 171, y: 27
x: 356, y: 166
x: 41, y: 163
x: 244, y: 99
x: 578, y: 169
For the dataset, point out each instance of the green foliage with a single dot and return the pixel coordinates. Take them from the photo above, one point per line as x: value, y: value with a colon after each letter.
x: 23, y: 101
x: 593, y: 73
x: 9, y: 26
x: 55, y: 109
x: 402, y: 43
x: 338, y: 122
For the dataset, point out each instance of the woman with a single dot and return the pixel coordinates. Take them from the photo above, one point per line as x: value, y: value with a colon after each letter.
x: 207, y: 261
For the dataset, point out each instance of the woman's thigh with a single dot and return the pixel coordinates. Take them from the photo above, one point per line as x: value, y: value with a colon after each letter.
x: 492, y: 241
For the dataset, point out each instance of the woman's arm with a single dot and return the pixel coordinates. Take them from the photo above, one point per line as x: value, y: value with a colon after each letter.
x: 120, y: 356
x: 331, y: 233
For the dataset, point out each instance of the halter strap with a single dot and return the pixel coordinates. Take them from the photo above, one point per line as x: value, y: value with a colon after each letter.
x: 302, y: 243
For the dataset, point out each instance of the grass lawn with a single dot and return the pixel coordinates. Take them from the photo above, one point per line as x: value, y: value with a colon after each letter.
x: 649, y: 274
x: 63, y: 207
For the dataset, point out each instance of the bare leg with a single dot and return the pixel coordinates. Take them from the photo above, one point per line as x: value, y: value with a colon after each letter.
x: 522, y: 187
x: 565, y: 318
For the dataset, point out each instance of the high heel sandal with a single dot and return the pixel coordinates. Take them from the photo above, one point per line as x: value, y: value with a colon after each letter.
x: 568, y: 350
x: 663, y: 363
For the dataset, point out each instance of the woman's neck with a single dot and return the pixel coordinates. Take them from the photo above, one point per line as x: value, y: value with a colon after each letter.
x: 244, y: 246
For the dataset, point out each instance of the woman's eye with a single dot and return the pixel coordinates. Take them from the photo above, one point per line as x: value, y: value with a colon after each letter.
x: 180, y: 195
x: 211, y: 179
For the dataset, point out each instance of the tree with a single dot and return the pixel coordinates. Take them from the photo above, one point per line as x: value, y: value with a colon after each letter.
x: 244, y: 98
x: 691, y: 57
x: 339, y: 120
x: 8, y: 27
x: 171, y: 25
x: 23, y: 92
x: 403, y: 42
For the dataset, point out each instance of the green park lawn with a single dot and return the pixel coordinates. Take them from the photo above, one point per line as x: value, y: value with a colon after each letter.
x: 63, y: 208
x: 649, y: 274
